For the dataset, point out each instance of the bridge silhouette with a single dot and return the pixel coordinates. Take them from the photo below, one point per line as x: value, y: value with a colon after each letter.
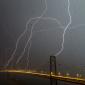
x: 53, y: 75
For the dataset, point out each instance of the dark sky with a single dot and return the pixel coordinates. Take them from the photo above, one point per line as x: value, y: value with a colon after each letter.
x: 13, y: 17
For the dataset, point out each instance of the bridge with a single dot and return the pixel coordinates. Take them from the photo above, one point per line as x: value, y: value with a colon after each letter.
x: 52, y: 74
x: 66, y: 78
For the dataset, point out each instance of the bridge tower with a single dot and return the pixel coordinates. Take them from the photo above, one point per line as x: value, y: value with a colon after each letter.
x: 52, y: 70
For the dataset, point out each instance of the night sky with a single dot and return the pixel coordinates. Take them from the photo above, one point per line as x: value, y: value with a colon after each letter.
x: 47, y: 34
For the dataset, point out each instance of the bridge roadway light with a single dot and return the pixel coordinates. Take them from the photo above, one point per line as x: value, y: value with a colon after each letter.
x: 67, y: 74
x: 59, y: 74
x: 51, y: 73
x: 77, y: 75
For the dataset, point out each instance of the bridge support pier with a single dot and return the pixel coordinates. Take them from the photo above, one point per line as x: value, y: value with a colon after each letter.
x: 53, y: 70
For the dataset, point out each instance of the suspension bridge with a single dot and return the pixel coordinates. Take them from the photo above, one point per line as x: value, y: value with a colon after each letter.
x: 53, y: 75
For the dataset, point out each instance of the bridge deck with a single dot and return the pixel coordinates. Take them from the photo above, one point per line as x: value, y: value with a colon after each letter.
x: 45, y: 75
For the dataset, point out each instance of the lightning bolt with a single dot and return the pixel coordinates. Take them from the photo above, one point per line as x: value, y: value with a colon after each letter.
x: 31, y: 34
x: 37, y: 19
x: 28, y: 61
x: 64, y: 32
x: 11, y: 58
x: 44, y: 18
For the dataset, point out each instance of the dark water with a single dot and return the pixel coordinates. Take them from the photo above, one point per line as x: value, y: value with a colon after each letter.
x: 22, y: 79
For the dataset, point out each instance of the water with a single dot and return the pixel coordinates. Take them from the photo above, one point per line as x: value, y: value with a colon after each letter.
x: 23, y: 79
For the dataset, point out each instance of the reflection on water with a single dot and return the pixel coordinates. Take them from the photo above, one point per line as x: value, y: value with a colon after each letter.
x: 18, y: 79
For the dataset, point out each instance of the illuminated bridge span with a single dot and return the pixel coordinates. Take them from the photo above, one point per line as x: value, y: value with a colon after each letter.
x: 52, y: 74
x: 66, y: 78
